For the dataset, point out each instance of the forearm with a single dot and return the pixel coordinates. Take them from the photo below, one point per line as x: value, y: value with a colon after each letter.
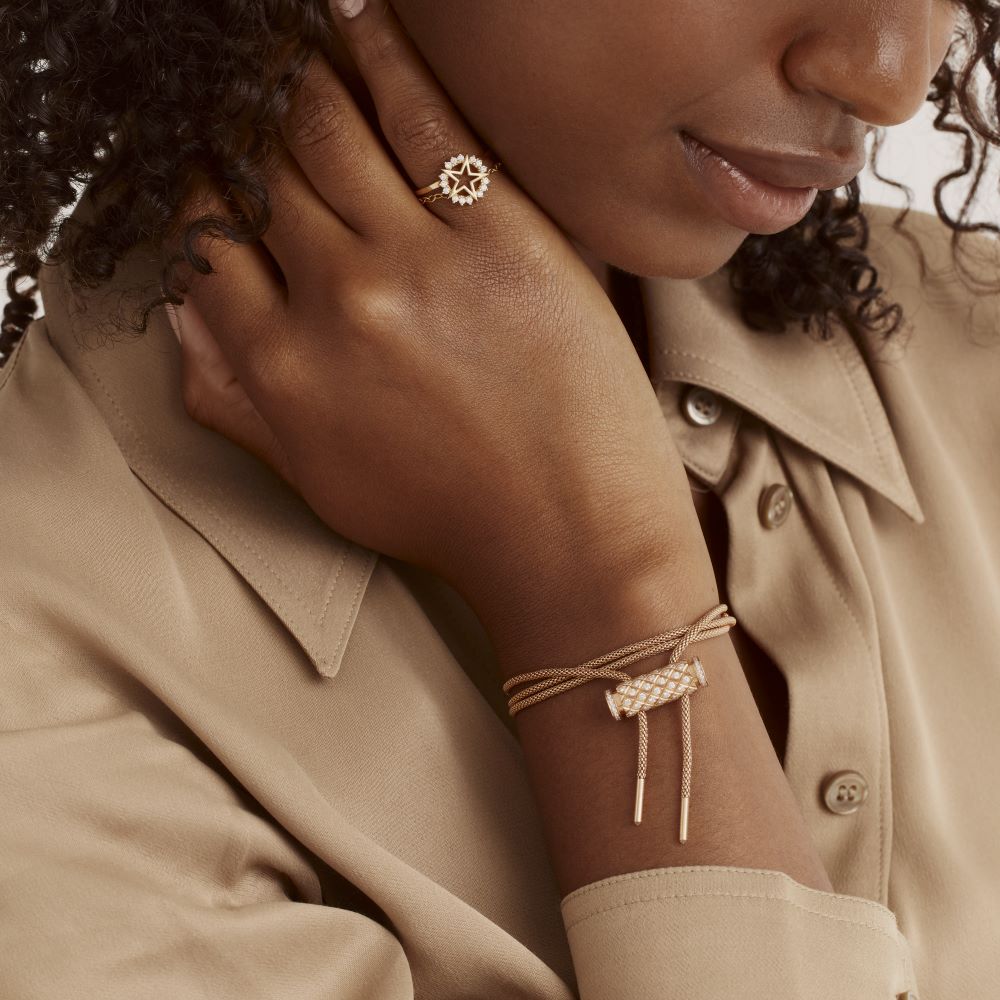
x: 582, y: 762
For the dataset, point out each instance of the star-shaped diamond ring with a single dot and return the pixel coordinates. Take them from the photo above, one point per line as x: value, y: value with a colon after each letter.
x: 464, y: 179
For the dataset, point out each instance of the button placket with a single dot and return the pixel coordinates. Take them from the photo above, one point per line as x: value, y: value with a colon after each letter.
x: 800, y: 591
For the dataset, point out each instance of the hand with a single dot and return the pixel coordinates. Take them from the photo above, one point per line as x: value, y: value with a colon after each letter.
x: 448, y: 384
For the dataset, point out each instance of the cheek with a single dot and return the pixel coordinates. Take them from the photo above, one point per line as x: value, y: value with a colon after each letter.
x: 560, y: 78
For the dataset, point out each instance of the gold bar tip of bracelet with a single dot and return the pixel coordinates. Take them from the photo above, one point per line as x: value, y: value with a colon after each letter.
x: 685, y: 803
x: 640, y: 784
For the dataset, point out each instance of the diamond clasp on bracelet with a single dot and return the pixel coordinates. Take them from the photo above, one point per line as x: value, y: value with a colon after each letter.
x: 639, y: 694
x: 666, y: 683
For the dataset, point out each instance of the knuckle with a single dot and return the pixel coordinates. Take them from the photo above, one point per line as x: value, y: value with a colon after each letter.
x: 320, y: 119
x: 375, y: 309
x: 382, y: 44
x: 423, y: 128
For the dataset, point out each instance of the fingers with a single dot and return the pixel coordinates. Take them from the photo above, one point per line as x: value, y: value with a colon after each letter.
x: 214, y: 396
x: 416, y: 115
x: 242, y: 300
x: 341, y: 156
x: 304, y: 232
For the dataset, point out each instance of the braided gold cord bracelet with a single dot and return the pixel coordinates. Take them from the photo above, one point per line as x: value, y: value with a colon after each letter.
x: 677, y: 679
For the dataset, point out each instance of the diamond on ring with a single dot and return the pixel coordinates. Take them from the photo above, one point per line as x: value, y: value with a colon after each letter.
x: 464, y: 179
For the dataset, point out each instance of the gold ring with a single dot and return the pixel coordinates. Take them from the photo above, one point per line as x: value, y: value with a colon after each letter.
x: 464, y: 179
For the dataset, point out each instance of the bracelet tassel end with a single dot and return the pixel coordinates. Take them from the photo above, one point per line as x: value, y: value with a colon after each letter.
x: 640, y: 784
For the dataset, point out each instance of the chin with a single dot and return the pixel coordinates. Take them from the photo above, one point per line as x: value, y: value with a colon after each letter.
x: 680, y: 250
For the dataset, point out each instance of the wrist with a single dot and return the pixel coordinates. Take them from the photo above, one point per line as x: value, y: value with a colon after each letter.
x: 585, y: 610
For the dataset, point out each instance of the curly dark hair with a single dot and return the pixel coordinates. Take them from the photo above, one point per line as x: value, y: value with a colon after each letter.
x: 137, y: 97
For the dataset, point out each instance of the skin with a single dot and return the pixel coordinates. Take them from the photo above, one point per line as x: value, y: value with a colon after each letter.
x: 527, y: 462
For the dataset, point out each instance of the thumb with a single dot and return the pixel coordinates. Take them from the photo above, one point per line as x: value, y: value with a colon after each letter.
x: 213, y: 395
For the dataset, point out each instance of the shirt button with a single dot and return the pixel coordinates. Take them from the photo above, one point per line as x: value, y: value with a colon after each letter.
x: 775, y: 505
x: 701, y: 406
x: 844, y: 792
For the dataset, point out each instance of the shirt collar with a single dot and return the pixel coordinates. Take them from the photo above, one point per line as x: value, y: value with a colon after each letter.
x: 821, y: 394
x: 312, y: 578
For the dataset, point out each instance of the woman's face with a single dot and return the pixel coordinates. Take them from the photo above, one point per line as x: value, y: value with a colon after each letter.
x: 585, y: 101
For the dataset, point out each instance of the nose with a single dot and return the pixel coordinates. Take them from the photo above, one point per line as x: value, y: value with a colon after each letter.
x: 876, y: 58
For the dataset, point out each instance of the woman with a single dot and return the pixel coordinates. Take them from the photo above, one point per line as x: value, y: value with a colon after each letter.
x: 449, y: 441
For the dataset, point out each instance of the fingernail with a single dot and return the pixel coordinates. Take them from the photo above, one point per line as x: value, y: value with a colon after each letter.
x: 175, y: 323
x: 190, y: 329
x: 350, y: 8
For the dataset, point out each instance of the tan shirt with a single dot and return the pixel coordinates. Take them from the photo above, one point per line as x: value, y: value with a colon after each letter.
x: 242, y: 757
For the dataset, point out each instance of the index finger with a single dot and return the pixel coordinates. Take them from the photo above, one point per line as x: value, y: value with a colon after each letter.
x: 419, y: 119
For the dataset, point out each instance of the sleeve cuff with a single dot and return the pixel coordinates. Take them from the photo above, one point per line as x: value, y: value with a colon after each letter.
x: 703, y: 932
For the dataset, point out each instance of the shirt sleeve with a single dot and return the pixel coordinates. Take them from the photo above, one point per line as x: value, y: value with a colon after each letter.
x: 130, y: 867
x: 700, y: 933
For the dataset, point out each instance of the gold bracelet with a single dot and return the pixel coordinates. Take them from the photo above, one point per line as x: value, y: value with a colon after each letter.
x: 677, y: 679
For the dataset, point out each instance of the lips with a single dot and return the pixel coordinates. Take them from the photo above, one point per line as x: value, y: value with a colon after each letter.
x: 742, y: 199
x: 824, y: 171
